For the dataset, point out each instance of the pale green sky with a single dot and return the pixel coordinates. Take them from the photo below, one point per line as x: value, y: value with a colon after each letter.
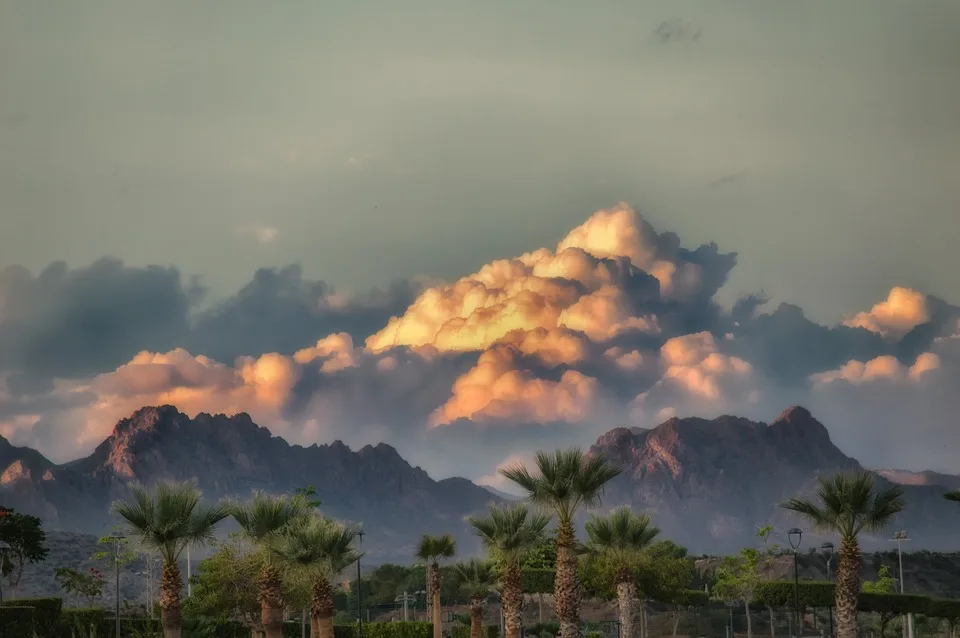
x: 391, y: 139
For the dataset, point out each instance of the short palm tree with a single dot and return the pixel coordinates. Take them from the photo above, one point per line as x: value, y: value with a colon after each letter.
x: 565, y: 481
x: 431, y: 550
x: 621, y: 538
x: 319, y: 548
x: 476, y: 580
x: 167, y: 520
x: 847, y: 505
x: 508, y: 533
x: 262, y: 519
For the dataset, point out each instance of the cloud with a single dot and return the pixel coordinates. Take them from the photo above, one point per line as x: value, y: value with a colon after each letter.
x: 902, y: 311
x: 616, y: 325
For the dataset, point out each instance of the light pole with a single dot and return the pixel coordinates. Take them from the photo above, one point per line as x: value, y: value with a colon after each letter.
x: 899, y: 538
x: 116, y: 562
x: 4, y: 548
x: 827, y: 549
x: 359, y: 594
x: 795, y: 535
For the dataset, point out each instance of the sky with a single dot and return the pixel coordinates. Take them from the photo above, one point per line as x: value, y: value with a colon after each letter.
x: 225, y: 205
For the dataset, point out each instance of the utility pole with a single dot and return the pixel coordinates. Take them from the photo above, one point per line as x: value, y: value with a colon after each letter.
x: 116, y: 557
x: 899, y: 538
x: 359, y: 582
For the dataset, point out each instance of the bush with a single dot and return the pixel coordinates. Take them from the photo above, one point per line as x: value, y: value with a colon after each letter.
x: 46, y: 613
x: 943, y: 608
x: 463, y: 631
x: 537, y: 581
x: 780, y: 593
x: 85, y: 622
x: 552, y: 628
x: 398, y: 630
x: 17, y: 621
x: 895, y: 604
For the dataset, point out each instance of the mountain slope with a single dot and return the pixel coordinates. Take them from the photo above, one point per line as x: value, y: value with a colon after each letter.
x: 230, y: 456
x: 710, y: 484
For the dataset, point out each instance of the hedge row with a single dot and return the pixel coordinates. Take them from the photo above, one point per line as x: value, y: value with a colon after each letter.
x: 821, y: 594
x: 463, y: 631
x: 540, y: 581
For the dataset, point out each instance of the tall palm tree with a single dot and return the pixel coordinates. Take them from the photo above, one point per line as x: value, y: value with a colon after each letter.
x: 431, y: 550
x: 565, y: 481
x: 167, y: 520
x: 321, y: 549
x: 262, y: 519
x: 476, y: 579
x: 621, y: 538
x: 507, y: 534
x: 847, y: 505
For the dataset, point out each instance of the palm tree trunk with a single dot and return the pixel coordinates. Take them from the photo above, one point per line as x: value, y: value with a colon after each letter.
x: 170, y: 585
x: 476, y: 618
x: 512, y: 600
x: 433, y: 584
x: 321, y: 609
x: 566, y: 587
x: 746, y: 609
x: 271, y: 601
x: 626, y: 593
x: 847, y: 588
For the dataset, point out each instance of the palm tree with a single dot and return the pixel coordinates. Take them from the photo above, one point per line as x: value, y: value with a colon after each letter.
x: 321, y: 549
x: 566, y: 480
x: 476, y: 579
x: 507, y: 534
x: 430, y: 551
x: 847, y: 505
x: 262, y: 519
x: 167, y: 520
x: 621, y: 538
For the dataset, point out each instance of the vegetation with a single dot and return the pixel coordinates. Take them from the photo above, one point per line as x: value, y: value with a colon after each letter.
x: 508, y: 534
x: 431, y: 551
x: 477, y: 579
x: 263, y: 520
x: 27, y: 544
x: 565, y: 481
x: 620, y: 539
x: 847, y: 505
x: 87, y: 584
x: 167, y: 520
x: 739, y: 578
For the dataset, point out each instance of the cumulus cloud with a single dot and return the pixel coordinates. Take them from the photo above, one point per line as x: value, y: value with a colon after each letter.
x: 616, y: 325
x: 902, y: 311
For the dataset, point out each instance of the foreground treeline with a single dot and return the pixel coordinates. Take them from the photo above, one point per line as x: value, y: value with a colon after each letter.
x: 289, y: 559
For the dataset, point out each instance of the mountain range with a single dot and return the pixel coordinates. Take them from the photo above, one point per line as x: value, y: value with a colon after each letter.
x: 707, y: 483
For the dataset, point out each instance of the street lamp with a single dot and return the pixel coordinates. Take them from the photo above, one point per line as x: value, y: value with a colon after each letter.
x: 116, y: 554
x: 4, y: 548
x: 898, y: 538
x: 795, y: 535
x: 827, y: 549
x: 359, y: 594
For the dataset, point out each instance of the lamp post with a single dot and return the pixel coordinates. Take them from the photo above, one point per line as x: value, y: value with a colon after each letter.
x: 4, y: 548
x: 827, y: 549
x: 116, y: 562
x: 795, y: 535
x: 359, y: 594
x: 899, y: 538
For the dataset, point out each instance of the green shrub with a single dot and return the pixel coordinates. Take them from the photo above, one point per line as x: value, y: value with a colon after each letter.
x: 780, y: 593
x: 594, y: 634
x: 17, y: 622
x: 46, y: 613
x: 943, y: 608
x: 552, y: 628
x: 84, y: 622
x: 398, y: 630
x: 344, y: 631
x: 463, y: 631
x: 537, y: 581
x: 895, y: 604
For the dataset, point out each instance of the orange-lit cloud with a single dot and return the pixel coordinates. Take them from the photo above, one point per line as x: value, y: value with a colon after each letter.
x: 495, y: 389
x: 902, y: 311
x: 578, y: 286
x: 885, y: 368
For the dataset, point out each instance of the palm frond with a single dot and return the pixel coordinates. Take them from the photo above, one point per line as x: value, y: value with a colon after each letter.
x: 475, y: 578
x: 265, y: 516
x: 509, y: 531
x: 433, y: 548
